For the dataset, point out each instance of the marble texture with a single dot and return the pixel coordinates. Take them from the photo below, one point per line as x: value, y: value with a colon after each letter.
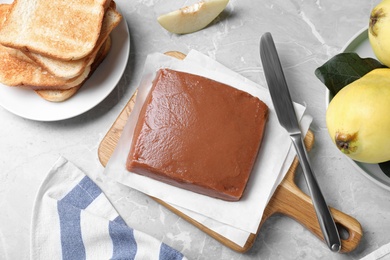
x: 307, y: 33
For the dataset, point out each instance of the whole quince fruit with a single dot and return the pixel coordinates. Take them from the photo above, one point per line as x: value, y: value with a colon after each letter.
x: 379, y: 31
x: 358, y: 118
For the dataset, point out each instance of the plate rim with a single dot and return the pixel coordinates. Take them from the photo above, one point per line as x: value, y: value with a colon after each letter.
x: 112, y: 83
x: 356, y: 39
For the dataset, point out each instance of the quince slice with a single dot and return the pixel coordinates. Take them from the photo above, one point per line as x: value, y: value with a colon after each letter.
x: 192, y: 18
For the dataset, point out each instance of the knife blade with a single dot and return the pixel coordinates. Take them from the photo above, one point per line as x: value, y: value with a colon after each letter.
x: 285, y: 112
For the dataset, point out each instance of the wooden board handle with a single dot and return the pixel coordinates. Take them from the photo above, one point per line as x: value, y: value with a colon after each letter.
x: 289, y: 200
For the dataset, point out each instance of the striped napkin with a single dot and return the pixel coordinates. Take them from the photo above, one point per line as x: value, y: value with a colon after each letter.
x: 73, y: 219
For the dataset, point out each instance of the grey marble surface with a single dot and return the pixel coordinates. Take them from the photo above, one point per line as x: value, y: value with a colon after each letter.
x: 307, y: 33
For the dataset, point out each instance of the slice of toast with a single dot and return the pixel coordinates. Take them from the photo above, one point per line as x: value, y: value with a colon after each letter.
x: 72, y: 69
x: 19, y: 70
x: 66, y: 30
x: 62, y: 95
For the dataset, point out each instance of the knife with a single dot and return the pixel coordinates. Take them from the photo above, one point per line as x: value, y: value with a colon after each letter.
x: 285, y: 112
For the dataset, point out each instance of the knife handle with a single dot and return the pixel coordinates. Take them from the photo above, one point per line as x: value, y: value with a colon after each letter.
x: 325, y: 219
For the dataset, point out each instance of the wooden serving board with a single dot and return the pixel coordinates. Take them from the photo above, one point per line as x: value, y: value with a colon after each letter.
x: 288, y: 199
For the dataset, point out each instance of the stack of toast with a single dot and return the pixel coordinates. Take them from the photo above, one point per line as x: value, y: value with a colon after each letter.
x: 53, y: 46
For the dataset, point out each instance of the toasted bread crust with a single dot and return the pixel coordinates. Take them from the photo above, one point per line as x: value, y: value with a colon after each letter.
x: 4, y: 10
x: 24, y: 69
x: 62, y: 95
x: 19, y: 70
x: 66, y: 30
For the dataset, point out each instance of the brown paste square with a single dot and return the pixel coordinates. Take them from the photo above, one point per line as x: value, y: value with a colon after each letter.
x: 198, y: 134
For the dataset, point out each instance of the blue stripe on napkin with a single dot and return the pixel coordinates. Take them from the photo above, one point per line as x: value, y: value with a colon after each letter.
x: 71, y: 241
x: 167, y: 252
x: 69, y: 210
x: 124, y: 244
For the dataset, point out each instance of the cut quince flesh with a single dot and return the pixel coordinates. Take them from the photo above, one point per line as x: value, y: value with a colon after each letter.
x: 192, y: 18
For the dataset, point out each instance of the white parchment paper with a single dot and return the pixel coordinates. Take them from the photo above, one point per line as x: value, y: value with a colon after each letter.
x: 235, y: 219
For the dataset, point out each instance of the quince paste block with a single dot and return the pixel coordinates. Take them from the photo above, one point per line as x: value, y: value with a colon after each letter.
x: 198, y: 134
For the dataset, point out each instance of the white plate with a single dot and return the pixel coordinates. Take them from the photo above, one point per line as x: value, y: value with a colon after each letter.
x: 26, y: 103
x: 361, y: 45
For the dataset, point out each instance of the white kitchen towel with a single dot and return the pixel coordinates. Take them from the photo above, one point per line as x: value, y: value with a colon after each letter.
x: 382, y: 253
x: 73, y: 219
